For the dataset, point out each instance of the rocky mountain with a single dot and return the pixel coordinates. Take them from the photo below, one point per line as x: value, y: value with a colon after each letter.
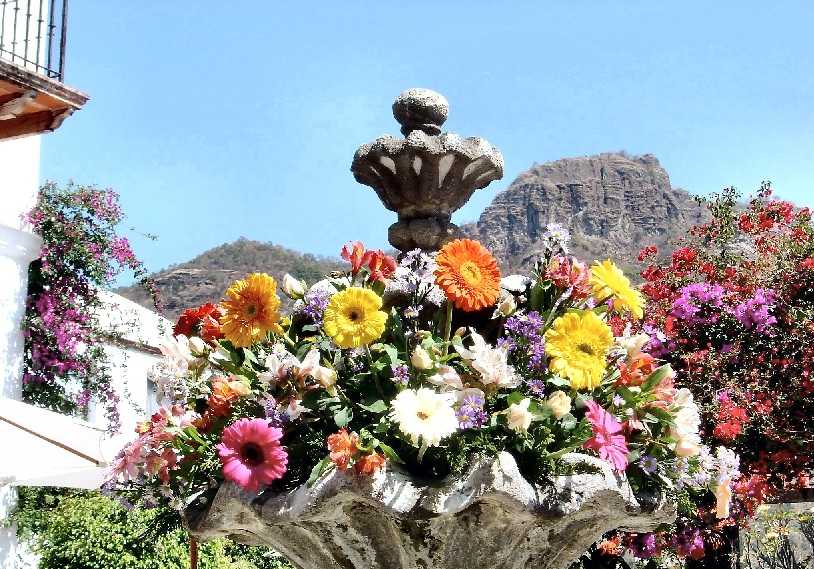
x: 613, y: 204
x: 207, y: 276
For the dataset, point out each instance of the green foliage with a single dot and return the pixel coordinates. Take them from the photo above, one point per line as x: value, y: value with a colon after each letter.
x: 83, y: 530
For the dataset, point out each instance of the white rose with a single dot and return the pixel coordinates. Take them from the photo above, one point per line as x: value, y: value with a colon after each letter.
x: 421, y: 359
x: 197, y: 345
x: 559, y: 403
x: 518, y: 416
x: 686, y: 424
x: 506, y: 306
x: 294, y: 288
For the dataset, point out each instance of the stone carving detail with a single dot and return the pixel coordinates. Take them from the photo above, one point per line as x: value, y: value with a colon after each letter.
x: 428, y: 175
x: 491, y: 517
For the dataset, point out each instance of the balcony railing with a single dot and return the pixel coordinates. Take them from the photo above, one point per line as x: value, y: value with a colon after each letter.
x: 33, y: 34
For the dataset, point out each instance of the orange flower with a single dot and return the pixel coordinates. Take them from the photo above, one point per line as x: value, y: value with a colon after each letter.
x: 343, y: 446
x: 369, y: 464
x: 468, y: 274
x: 223, y: 393
x: 251, y: 309
x: 635, y: 372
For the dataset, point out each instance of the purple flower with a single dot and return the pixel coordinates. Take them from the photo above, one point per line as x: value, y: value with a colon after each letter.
x: 401, y: 374
x: 644, y: 546
x: 754, y: 313
x: 276, y: 416
x: 470, y: 413
x: 649, y: 464
x: 316, y: 301
x: 699, y: 303
x: 525, y: 332
x: 537, y: 387
x: 689, y: 543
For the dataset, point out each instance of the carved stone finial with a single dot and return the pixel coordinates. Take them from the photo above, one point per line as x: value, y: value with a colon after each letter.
x: 428, y: 175
x: 420, y: 109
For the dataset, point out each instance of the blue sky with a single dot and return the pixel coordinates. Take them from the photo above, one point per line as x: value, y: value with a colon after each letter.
x: 215, y: 123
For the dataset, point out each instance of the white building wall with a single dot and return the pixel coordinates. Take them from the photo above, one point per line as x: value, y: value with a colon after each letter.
x: 19, y: 173
x: 135, y: 333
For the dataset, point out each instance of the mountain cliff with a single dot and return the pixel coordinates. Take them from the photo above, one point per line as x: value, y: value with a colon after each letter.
x: 613, y: 205
x: 207, y: 276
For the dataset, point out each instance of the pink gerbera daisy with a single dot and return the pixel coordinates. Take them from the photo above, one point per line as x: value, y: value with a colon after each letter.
x: 607, y: 441
x: 251, y: 454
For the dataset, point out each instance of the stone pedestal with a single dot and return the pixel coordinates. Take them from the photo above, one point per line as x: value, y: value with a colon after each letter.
x: 427, y: 175
x: 490, y: 518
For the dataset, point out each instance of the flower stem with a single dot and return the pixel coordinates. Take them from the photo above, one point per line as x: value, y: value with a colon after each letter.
x: 447, y: 328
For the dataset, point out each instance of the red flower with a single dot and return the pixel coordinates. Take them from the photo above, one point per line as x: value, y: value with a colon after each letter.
x: 192, y: 319
x: 649, y: 251
x: 353, y: 252
x: 381, y: 266
x: 683, y: 259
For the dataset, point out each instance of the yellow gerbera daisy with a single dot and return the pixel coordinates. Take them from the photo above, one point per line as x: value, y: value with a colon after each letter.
x: 608, y: 281
x: 353, y: 317
x: 250, y: 310
x: 576, y: 345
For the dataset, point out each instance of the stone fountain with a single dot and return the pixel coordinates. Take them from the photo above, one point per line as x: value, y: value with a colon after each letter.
x: 490, y: 516
x: 427, y: 175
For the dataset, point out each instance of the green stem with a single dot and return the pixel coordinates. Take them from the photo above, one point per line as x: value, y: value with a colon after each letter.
x: 447, y: 328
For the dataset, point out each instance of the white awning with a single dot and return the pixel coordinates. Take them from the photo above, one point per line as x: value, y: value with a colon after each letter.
x: 39, y: 447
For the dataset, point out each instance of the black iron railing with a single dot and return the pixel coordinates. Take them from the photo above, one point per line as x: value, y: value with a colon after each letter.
x: 33, y: 34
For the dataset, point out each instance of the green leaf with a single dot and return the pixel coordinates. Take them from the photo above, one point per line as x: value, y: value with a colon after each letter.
x: 377, y: 406
x: 558, y: 381
x: 342, y: 417
x: 568, y: 421
x: 515, y: 397
x: 390, y: 453
x: 319, y: 469
x: 655, y: 378
x: 392, y: 353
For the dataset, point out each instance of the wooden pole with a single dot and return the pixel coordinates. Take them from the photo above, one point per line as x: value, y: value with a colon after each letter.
x: 193, y: 553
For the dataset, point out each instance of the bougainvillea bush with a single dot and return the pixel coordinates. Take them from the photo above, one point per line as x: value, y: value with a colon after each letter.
x: 422, y: 365
x: 732, y: 311
x: 65, y: 366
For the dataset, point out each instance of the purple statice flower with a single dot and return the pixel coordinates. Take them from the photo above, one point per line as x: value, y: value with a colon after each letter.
x: 276, y: 415
x: 526, y: 330
x: 536, y: 387
x: 315, y: 303
x: 649, y: 464
x: 754, y: 313
x: 508, y: 343
x: 618, y: 400
x: 644, y: 546
x: 401, y: 374
x: 470, y: 413
x: 699, y: 303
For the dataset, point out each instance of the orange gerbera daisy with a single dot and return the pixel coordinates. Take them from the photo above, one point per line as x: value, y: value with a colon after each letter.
x: 250, y: 310
x: 468, y: 274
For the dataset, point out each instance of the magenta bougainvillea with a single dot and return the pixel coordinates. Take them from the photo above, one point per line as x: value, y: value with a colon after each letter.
x: 65, y: 366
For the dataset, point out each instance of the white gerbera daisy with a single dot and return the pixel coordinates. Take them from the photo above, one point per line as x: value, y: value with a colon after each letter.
x: 424, y: 415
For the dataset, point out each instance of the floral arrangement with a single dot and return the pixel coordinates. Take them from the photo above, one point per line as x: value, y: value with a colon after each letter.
x: 65, y: 365
x: 421, y: 365
x: 732, y: 311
